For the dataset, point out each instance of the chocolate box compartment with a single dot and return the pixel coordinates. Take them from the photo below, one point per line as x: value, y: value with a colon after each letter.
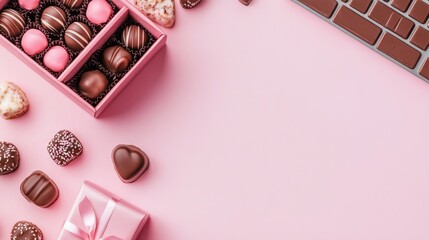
x: 126, y: 9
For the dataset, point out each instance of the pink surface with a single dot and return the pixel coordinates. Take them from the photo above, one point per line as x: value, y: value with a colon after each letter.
x: 246, y: 140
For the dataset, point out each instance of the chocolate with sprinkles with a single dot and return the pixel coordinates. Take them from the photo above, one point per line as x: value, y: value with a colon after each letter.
x: 64, y: 147
x: 24, y: 230
x: 9, y: 158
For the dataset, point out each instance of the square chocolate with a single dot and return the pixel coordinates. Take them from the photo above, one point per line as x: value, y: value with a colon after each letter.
x: 64, y: 148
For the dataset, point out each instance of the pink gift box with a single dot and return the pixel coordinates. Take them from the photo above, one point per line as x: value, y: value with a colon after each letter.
x: 126, y: 10
x: 114, y: 219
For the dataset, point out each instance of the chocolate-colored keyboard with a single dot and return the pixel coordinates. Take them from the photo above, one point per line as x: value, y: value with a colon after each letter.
x: 397, y: 29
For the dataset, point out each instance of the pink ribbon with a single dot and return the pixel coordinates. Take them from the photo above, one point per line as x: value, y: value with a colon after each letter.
x: 94, y: 230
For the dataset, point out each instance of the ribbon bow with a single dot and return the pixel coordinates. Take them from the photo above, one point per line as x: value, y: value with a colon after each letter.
x: 94, y: 230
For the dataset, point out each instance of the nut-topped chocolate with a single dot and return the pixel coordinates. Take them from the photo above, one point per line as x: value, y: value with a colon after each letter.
x: 39, y: 189
x: 54, y: 19
x: 12, y: 22
x: 24, y: 230
x: 116, y: 59
x: 9, y: 158
x: 134, y: 37
x: 77, y: 36
x: 64, y: 148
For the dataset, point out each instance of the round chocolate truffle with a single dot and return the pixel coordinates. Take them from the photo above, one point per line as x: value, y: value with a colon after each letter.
x: 99, y: 11
x: 116, y: 59
x: 77, y: 36
x: 56, y: 59
x: 134, y: 37
x: 54, y: 19
x: 29, y: 4
x: 93, y: 83
x: 11, y: 22
x: 73, y: 3
x: 34, y: 42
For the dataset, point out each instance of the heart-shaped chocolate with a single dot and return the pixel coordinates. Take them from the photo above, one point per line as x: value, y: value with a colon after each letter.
x: 190, y: 3
x: 130, y: 162
x: 13, y: 101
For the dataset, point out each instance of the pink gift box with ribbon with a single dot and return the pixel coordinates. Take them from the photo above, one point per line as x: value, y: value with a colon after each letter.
x: 100, y: 215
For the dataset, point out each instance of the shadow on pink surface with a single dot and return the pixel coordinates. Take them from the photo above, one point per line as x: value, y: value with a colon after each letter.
x: 138, y: 91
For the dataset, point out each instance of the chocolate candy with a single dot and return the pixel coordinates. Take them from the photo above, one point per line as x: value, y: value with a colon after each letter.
x: 13, y: 101
x: 64, y: 148
x: 134, y: 37
x: 34, y: 42
x: 29, y: 4
x: 24, y: 230
x: 116, y: 59
x: 98, y: 11
x: 73, y: 3
x: 54, y: 19
x: 93, y: 83
x: 77, y: 36
x: 130, y: 162
x: 245, y: 2
x: 160, y: 11
x: 190, y: 3
x: 39, y: 189
x: 11, y: 22
x: 56, y: 59
x: 9, y: 158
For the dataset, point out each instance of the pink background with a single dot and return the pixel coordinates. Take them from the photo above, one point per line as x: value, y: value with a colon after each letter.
x: 261, y: 122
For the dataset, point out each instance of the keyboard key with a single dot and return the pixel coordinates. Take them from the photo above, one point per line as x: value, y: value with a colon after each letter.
x: 324, y: 7
x: 420, y: 38
x: 395, y: 22
x: 401, y: 5
x: 420, y: 11
x: 424, y: 71
x: 398, y: 50
x: 361, y: 5
x: 357, y: 25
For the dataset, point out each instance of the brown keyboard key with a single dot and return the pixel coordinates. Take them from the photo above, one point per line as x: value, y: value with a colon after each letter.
x: 424, y: 71
x: 399, y: 50
x: 420, y: 38
x: 395, y: 22
x: 361, y: 5
x: 401, y: 5
x: 420, y: 11
x: 357, y: 25
x: 323, y: 7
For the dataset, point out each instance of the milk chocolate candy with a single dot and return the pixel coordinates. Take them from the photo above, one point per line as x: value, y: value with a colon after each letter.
x: 39, y: 189
x: 64, y: 148
x: 245, y: 2
x: 130, y: 162
x: 9, y: 158
x: 188, y: 4
x: 24, y: 230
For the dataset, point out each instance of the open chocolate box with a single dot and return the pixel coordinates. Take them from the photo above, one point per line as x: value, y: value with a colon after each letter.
x: 90, y: 58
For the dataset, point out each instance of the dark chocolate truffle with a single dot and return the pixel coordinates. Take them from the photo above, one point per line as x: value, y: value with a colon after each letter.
x: 189, y: 3
x: 39, y: 189
x: 73, y: 3
x: 9, y: 158
x: 77, y: 36
x: 11, y: 22
x: 54, y: 19
x: 116, y: 59
x: 130, y: 162
x: 134, y: 37
x: 24, y: 230
x: 64, y: 148
x: 93, y: 83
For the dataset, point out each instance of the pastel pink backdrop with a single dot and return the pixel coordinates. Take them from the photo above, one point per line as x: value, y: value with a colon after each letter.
x: 261, y: 122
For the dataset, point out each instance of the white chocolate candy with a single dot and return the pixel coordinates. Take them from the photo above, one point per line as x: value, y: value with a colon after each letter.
x: 13, y: 101
x: 160, y: 11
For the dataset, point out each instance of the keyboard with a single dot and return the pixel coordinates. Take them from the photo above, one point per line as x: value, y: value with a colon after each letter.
x: 397, y: 29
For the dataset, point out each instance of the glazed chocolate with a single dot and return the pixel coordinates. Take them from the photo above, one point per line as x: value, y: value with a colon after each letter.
x: 134, y: 37
x: 93, y: 83
x: 11, y: 22
x: 39, y: 189
x: 73, y: 3
x: 190, y: 3
x: 64, y: 148
x: 77, y: 36
x: 9, y: 158
x: 54, y: 19
x: 24, y: 230
x: 116, y: 59
x: 130, y: 162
